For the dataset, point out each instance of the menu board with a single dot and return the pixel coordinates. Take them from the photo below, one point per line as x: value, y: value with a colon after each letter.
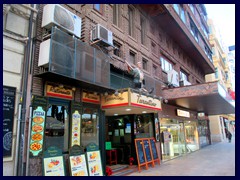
x: 9, y: 94
x: 76, y: 126
x: 53, y: 162
x: 154, y: 150
x: 78, y: 166
x: 147, y: 150
x: 139, y: 149
x: 37, y: 131
x: 94, y: 163
x: 53, y: 166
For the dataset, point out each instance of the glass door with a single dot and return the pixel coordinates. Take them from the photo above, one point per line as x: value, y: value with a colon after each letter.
x: 57, y: 124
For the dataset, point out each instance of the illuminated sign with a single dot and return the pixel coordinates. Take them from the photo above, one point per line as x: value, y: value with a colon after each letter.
x: 183, y: 113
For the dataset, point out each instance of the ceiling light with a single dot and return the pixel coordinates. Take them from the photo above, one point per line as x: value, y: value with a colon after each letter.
x: 115, y: 114
x: 128, y: 109
x: 144, y: 112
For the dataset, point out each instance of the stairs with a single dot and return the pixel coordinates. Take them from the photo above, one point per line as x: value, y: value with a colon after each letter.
x: 122, y: 170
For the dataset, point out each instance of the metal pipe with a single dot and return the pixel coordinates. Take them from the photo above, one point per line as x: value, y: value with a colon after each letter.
x: 21, y: 164
x: 18, y: 137
x: 29, y: 134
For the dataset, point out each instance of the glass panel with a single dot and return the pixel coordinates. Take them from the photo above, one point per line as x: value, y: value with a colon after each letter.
x: 56, y: 131
x: 191, y: 135
x: 144, y: 126
x: 90, y: 127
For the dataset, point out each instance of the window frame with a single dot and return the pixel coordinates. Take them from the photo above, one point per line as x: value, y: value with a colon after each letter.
x: 100, y: 10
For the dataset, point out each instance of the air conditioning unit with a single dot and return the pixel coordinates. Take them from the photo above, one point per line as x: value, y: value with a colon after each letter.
x: 173, y: 78
x: 104, y: 35
x: 186, y: 83
x: 56, y: 15
x: 57, y: 57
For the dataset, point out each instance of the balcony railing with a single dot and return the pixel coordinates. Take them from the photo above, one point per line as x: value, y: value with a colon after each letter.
x: 75, y: 59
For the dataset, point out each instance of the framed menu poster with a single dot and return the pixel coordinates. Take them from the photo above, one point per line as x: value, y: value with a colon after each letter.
x: 94, y: 163
x: 53, y: 162
x: 77, y: 161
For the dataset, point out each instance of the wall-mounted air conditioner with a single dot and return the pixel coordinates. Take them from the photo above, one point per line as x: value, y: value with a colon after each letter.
x: 56, y: 15
x: 57, y: 57
x: 173, y: 78
x: 104, y: 35
x: 186, y: 83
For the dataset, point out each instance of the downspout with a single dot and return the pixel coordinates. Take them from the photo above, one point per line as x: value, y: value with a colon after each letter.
x: 22, y: 165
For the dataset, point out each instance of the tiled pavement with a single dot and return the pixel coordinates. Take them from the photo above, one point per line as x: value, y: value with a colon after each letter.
x: 217, y: 159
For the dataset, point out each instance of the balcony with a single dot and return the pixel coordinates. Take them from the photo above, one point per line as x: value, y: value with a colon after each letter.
x: 65, y: 57
x: 166, y: 17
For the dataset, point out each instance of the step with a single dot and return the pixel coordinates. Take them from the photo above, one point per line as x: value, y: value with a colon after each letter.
x: 122, y: 173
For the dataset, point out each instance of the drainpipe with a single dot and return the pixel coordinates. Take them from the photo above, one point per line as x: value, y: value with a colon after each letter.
x: 21, y: 144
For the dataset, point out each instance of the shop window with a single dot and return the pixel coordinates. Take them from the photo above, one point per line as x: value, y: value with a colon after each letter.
x: 144, y: 126
x: 90, y: 127
x: 56, y: 130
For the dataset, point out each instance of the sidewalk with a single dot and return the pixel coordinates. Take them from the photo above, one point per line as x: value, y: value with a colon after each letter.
x: 214, y: 160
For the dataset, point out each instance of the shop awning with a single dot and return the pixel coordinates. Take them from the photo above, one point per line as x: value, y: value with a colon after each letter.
x: 210, y: 98
x: 130, y: 101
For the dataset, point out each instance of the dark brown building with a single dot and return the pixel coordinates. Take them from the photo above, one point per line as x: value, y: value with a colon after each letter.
x: 79, y: 70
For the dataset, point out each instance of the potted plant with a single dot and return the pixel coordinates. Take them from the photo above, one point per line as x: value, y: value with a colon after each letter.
x: 108, y: 171
x: 131, y: 160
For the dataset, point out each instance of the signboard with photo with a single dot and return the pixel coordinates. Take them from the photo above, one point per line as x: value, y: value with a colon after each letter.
x: 53, y: 163
x: 38, y: 121
x: 94, y: 160
x: 76, y: 126
x: 77, y: 159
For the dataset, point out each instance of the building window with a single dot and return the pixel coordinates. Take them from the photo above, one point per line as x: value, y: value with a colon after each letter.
x: 166, y: 65
x: 145, y: 64
x: 130, y: 20
x: 155, y: 70
x: 180, y: 11
x: 143, y: 30
x: 98, y: 7
x: 117, y: 51
x: 191, y: 7
x: 116, y: 14
x: 216, y: 73
x: 132, y: 57
x: 194, y: 30
x: 154, y: 50
x: 183, y: 75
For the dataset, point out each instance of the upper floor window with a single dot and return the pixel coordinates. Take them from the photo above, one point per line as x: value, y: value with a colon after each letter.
x: 216, y: 73
x: 194, y: 30
x: 191, y: 7
x: 183, y: 75
x: 116, y: 14
x: 155, y: 70
x: 180, y: 11
x: 132, y: 57
x: 166, y: 65
x: 143, y: 30
x: 117, y: 51
x: 130, y: 21
x: 145, y: 64
x: 98, y: 7
x: 153, y: 47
